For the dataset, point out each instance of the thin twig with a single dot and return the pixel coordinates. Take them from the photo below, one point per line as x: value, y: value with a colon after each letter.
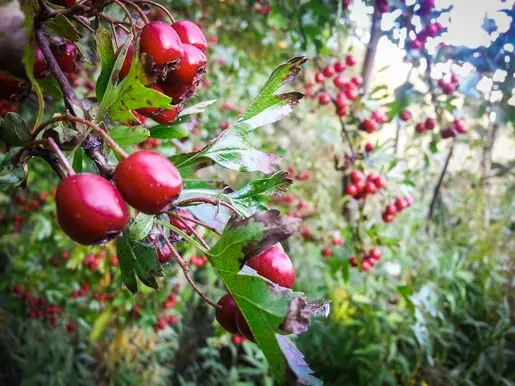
x: 138, y: 10
x: 439, y: 184
x: 206, y: 200
x: 127, y: 13
x: 155, y: 4
x: 113, y: 22
x: 83, y: 22
x: 186, y: 270
x: 203, y: 224
x: 49, y: 156
x: 190, y: 228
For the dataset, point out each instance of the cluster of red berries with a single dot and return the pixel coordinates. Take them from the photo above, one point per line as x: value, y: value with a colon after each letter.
x: 304, y: 175
x: 67, y: 57
x: 297, y: 206
x: 273, y: 264
x: 449, y: 84
x: 426, y: 7
x: 428, y: 124
x: 262, y: 7
x: 54, y: 262
x: 397, y: 207
x: 370, y: 125
x: 328, y: 251
x: 28, y: 205
x: 38, y: 308
x: 431, y: 30
x: 347, y: 90
x: 367, y: 261
x: 83, y: 291
x: 360, y: 187
x: 165, y: 320
x: 382, y: 6
x: 103, y: 296
x: 457, y: 127
x: 176, y: 55
x: 7, y: 106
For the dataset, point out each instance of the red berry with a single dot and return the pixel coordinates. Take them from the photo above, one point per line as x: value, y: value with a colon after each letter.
x: 371, y: 261
x: 148, y: 181
x: 430, y: 124
x: 66, y: 56
x: 327, y: 251
x: 339, y: 66
x: 319, y: 77
x: 379, y: 116
x: 420, y: 128
x: 339, y: 81
x: 71, y: 327
x: 190, y: 33
x: 40, y: 64
x: 161, y: 42
x: 405, y: 115
x: 353, y: 261
x: 370, y: 188
x: 368, y: 125
x: 391, y: 209
x: 400, y: 204
x: 329, y: 71
x: 337, y: 242
x: 387, y: 218
x: 351, y: 190
x: 226, y: 313
x: 341, y: 100
x: 89, y: 209
x: 460, y: 127
x: 369, y: 147
x: 350, y: 60
x: 127, y: 61
x: 365, y: 265
x: 167, y: 116
x: 409, y: 200
x: 375, y: 253
x: 356, y: 81
x: 193, y: 62
x: 356, y: 176
x: 275, y: 265
x: 186, y: 216
x: 64, y: 3
x: 238, y: 339
x: 113, y: 260
x: 324, y: 99
x: 380, y: 182
x: 350, y: 91
x: 243, y: 326
x: 341, y: 111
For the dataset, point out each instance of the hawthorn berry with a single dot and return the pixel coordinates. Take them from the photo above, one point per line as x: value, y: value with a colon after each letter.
x: 339, y: 81
x: 420, y: 128
x: 341, y: 100
x: 90, y: 209
x: 353, y: 261
x: 275, y: 265
x: 190, y: 33
x: 356, y: 81
x: 324, y: 99
x: 243, y: 326
x: 430, y: 124
x: 368, y: 125
x: 327, y: 251
x: 387, y: 218
x: 365, y: 265
x: 391, y: 209
x: 340, y: 66
x: 148, y: 181
x: 66, y: 56
x: 405, y: 115
x: 127, y: 61
x: 40, y: 64
x: 167, y: 116
x: 319, y: 77
x: 193, y: 62
x: 225, y: 314
x: 370, y: 187
x: 351, y: 190
x: 350, y: 60
x: 356, y: 176
x: 375, y: 253
x: 401, y: 204
x: 329, y: 71
x: 186, y: 216
x: 161, y: 43
x: 369, y: 147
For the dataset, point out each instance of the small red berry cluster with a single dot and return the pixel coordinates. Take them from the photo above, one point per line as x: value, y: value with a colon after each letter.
x: 273, y: 264
x: 346, y: 90
x: 428, y: 124
x: 430, y: 30
x: 7, y: 106
x: 360, y: 187
x: 391, y: 210
x: 370, y: 125
x: 67, y: 57
x: 304, y: 175
x: 83, y: 291
x: 166, y: 320
x: 368, y: 261
x: 29, y: 204
x: 457, y: 127
x: 449, y: 84
x: 297, y: 206
x: 198, y: 261
x: 176, y: 55
x: 335, y: 242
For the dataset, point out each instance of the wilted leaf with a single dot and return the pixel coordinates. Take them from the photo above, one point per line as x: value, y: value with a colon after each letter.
x: 299, y: 371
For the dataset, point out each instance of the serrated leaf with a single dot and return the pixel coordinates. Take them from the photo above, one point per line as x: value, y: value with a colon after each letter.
x: 137, y: 258
x: 197, y: 108
x: 105, y: 52
x: 256, y: 192
x: 125, y: 135
x: 263, y: 304
x: 14, y: 130
x: 120, y: 98
x: 61, y: 26
x: 169, y: 131
x: 141, y: 226
x: 232, y: 149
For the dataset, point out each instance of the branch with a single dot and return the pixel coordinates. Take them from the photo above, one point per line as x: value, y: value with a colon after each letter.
x: 439, y: 184
x: 204, y: 200
x: 190, y: 228
x: 93, y: 148
x: 375, y: 34
x: 50, y: 157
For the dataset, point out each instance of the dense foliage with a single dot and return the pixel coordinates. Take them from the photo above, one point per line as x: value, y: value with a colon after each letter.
x: 292, y: 159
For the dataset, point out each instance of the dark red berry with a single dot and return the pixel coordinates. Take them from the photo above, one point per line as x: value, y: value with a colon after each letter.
x: 167, y: 116
x: 351, y: 190
x: 420, y: 128
x: 350, y: 60
x: 275, y: 265
x: 243, y: 326
x: 375, y: 253
x: 193, y: 62
x: 327, y: 251
x: 324, y: 99
x: 40, y: 64
x: 329, y: 71
x: 353, y: 261
x: 430, y: 124
x: 405, y: 115
x: 89, y: 209
x: 226, y: 313
x: 64, y: 3
x: 368, y: 125
x: 148, y: 181
x: 161, y: 42
x: 127, y: 62
x: 190, y: 33
x: 164, y: 253
x: 66, y: 56
x: 356, y: 176
x: 370, y: 188
x: 319, y: 77
x: 369, y: 147
x: 339, y: 66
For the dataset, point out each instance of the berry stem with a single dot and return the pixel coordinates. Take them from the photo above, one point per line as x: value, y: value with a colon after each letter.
x: 30, y: 149
x: 183, y: 234
x: 155, y: 4
x: 190, y: 228
x: 126, y: 11
x: 114, y: 23
x: 203, y: 224
x: 112, y: 144
x: 49, y: 156
x: 138, y: 10
x: 205, y: 200
x: 61, y: 156
x: 186, y: 270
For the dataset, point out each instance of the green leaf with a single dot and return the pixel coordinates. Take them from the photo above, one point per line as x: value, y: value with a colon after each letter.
x: 137, y: 258
x: 120, y: 98
x: 51, y: 87
x: 141, y: 226
x: 105, y: 52
x: 169, y: 131
x: 14, y: 130
x: 11, y: 178
x: 100, y: 324
x: 197, y: 108
x: 125, y: 135
x: 263, y: 304
x: 433, y: 147
x: 297, y: 364
x: 232, y: 149
x: 61, y: 26
x: 78, y: 155
x: 256, y: 192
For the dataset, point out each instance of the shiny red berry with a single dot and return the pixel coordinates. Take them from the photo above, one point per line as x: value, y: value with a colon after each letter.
x: 369, y: 147
x: 368, y: 125
x: 127, y: 62
x: 186, y: 216
x: 226, y: 313
x: 420, y: 128
x: 161, y: 42
x: 375, y: 253
x: 66, y: 56
x: 319, y: 77
x: 356, y: 176
x: 329, y: 71
x: 405, y: 115
x: 327, y: 251
x: 148, y: 181
x: 350, y: 60
x: 370, y: 188
x: 351, y: 190
x: 89, y: 209
x: 243, y: 326
x: 190, y: 33
x: 340, y: 66
x: 324, y: 99
x: 339, y: 81
x: 167, y: 116
x: 353, y: 261
x: 430, y: 124
x: 193, y: 62
x: 275, y: 265
x: 401, y: 204
x: 40, y: 64
x: 391, y: 209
